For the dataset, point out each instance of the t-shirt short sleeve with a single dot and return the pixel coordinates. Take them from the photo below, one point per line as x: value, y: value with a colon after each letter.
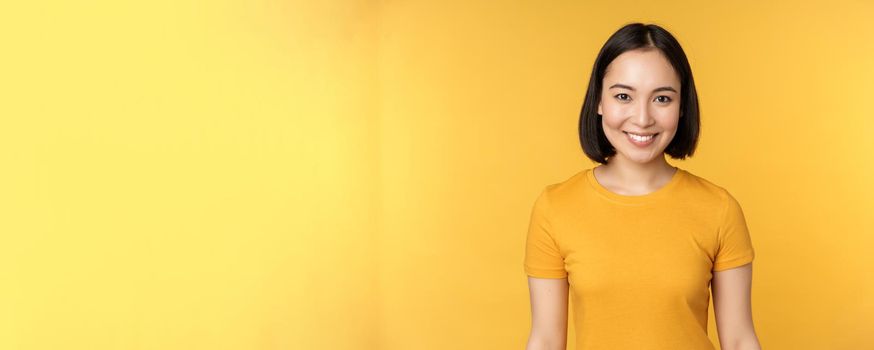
x: 543, y: 258
x: 735, y: 246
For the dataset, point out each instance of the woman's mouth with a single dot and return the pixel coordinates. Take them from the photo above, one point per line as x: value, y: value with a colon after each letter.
x: 640, y: 140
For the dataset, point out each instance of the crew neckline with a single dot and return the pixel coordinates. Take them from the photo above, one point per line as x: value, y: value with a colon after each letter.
x: 659, y: 193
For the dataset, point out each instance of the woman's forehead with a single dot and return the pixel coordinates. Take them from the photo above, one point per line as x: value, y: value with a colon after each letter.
x: 643, y: 69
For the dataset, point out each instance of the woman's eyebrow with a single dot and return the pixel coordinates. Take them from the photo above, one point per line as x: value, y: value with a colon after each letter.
x: 623, y: 86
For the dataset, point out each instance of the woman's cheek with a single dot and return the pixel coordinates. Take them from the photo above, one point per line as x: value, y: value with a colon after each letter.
x: 616, y: 112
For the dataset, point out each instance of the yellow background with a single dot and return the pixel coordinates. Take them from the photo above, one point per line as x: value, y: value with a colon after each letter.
x: 359, y: 174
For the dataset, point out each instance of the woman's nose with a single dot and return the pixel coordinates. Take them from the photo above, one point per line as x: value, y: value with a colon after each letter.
x: 643, y: 117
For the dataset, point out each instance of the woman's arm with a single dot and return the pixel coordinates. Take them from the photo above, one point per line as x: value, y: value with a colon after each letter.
x: 549, y: 303
x: 733, y: 310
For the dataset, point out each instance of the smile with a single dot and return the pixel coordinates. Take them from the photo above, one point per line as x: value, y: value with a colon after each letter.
x: 640, y: 140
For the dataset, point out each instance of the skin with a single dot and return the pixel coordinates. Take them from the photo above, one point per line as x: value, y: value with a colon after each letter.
x: 732, y: 308
x: 634, y: 106
x: 549, y: 313
x: 647, y: 102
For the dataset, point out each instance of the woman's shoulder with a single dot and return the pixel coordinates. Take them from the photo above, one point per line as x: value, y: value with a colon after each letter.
x: 692, y: 187
x: 701, y: 186
x: 568, y: 184
x: 568, y: 191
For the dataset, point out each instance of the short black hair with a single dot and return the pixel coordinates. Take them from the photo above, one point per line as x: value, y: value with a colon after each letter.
x: 630, y: 37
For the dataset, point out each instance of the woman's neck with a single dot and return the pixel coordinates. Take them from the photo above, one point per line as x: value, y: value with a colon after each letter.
x: 635, y: 178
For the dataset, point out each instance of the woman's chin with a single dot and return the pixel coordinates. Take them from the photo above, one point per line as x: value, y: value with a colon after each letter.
x: 641, y: 157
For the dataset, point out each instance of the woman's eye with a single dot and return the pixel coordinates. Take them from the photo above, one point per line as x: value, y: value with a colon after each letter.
x: 620, y: 98
x: 666, y: 100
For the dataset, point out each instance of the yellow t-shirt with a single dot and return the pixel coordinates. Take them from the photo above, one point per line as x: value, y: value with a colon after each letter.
x: 638, y: 267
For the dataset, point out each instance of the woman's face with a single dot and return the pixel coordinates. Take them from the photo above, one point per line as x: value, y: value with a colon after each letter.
x: 640, y: 95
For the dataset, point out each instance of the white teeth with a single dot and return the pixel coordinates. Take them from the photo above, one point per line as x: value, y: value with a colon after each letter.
x: 640, y: 138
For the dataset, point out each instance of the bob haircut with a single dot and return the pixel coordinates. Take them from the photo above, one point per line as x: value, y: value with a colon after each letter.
x: 630, y: 37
